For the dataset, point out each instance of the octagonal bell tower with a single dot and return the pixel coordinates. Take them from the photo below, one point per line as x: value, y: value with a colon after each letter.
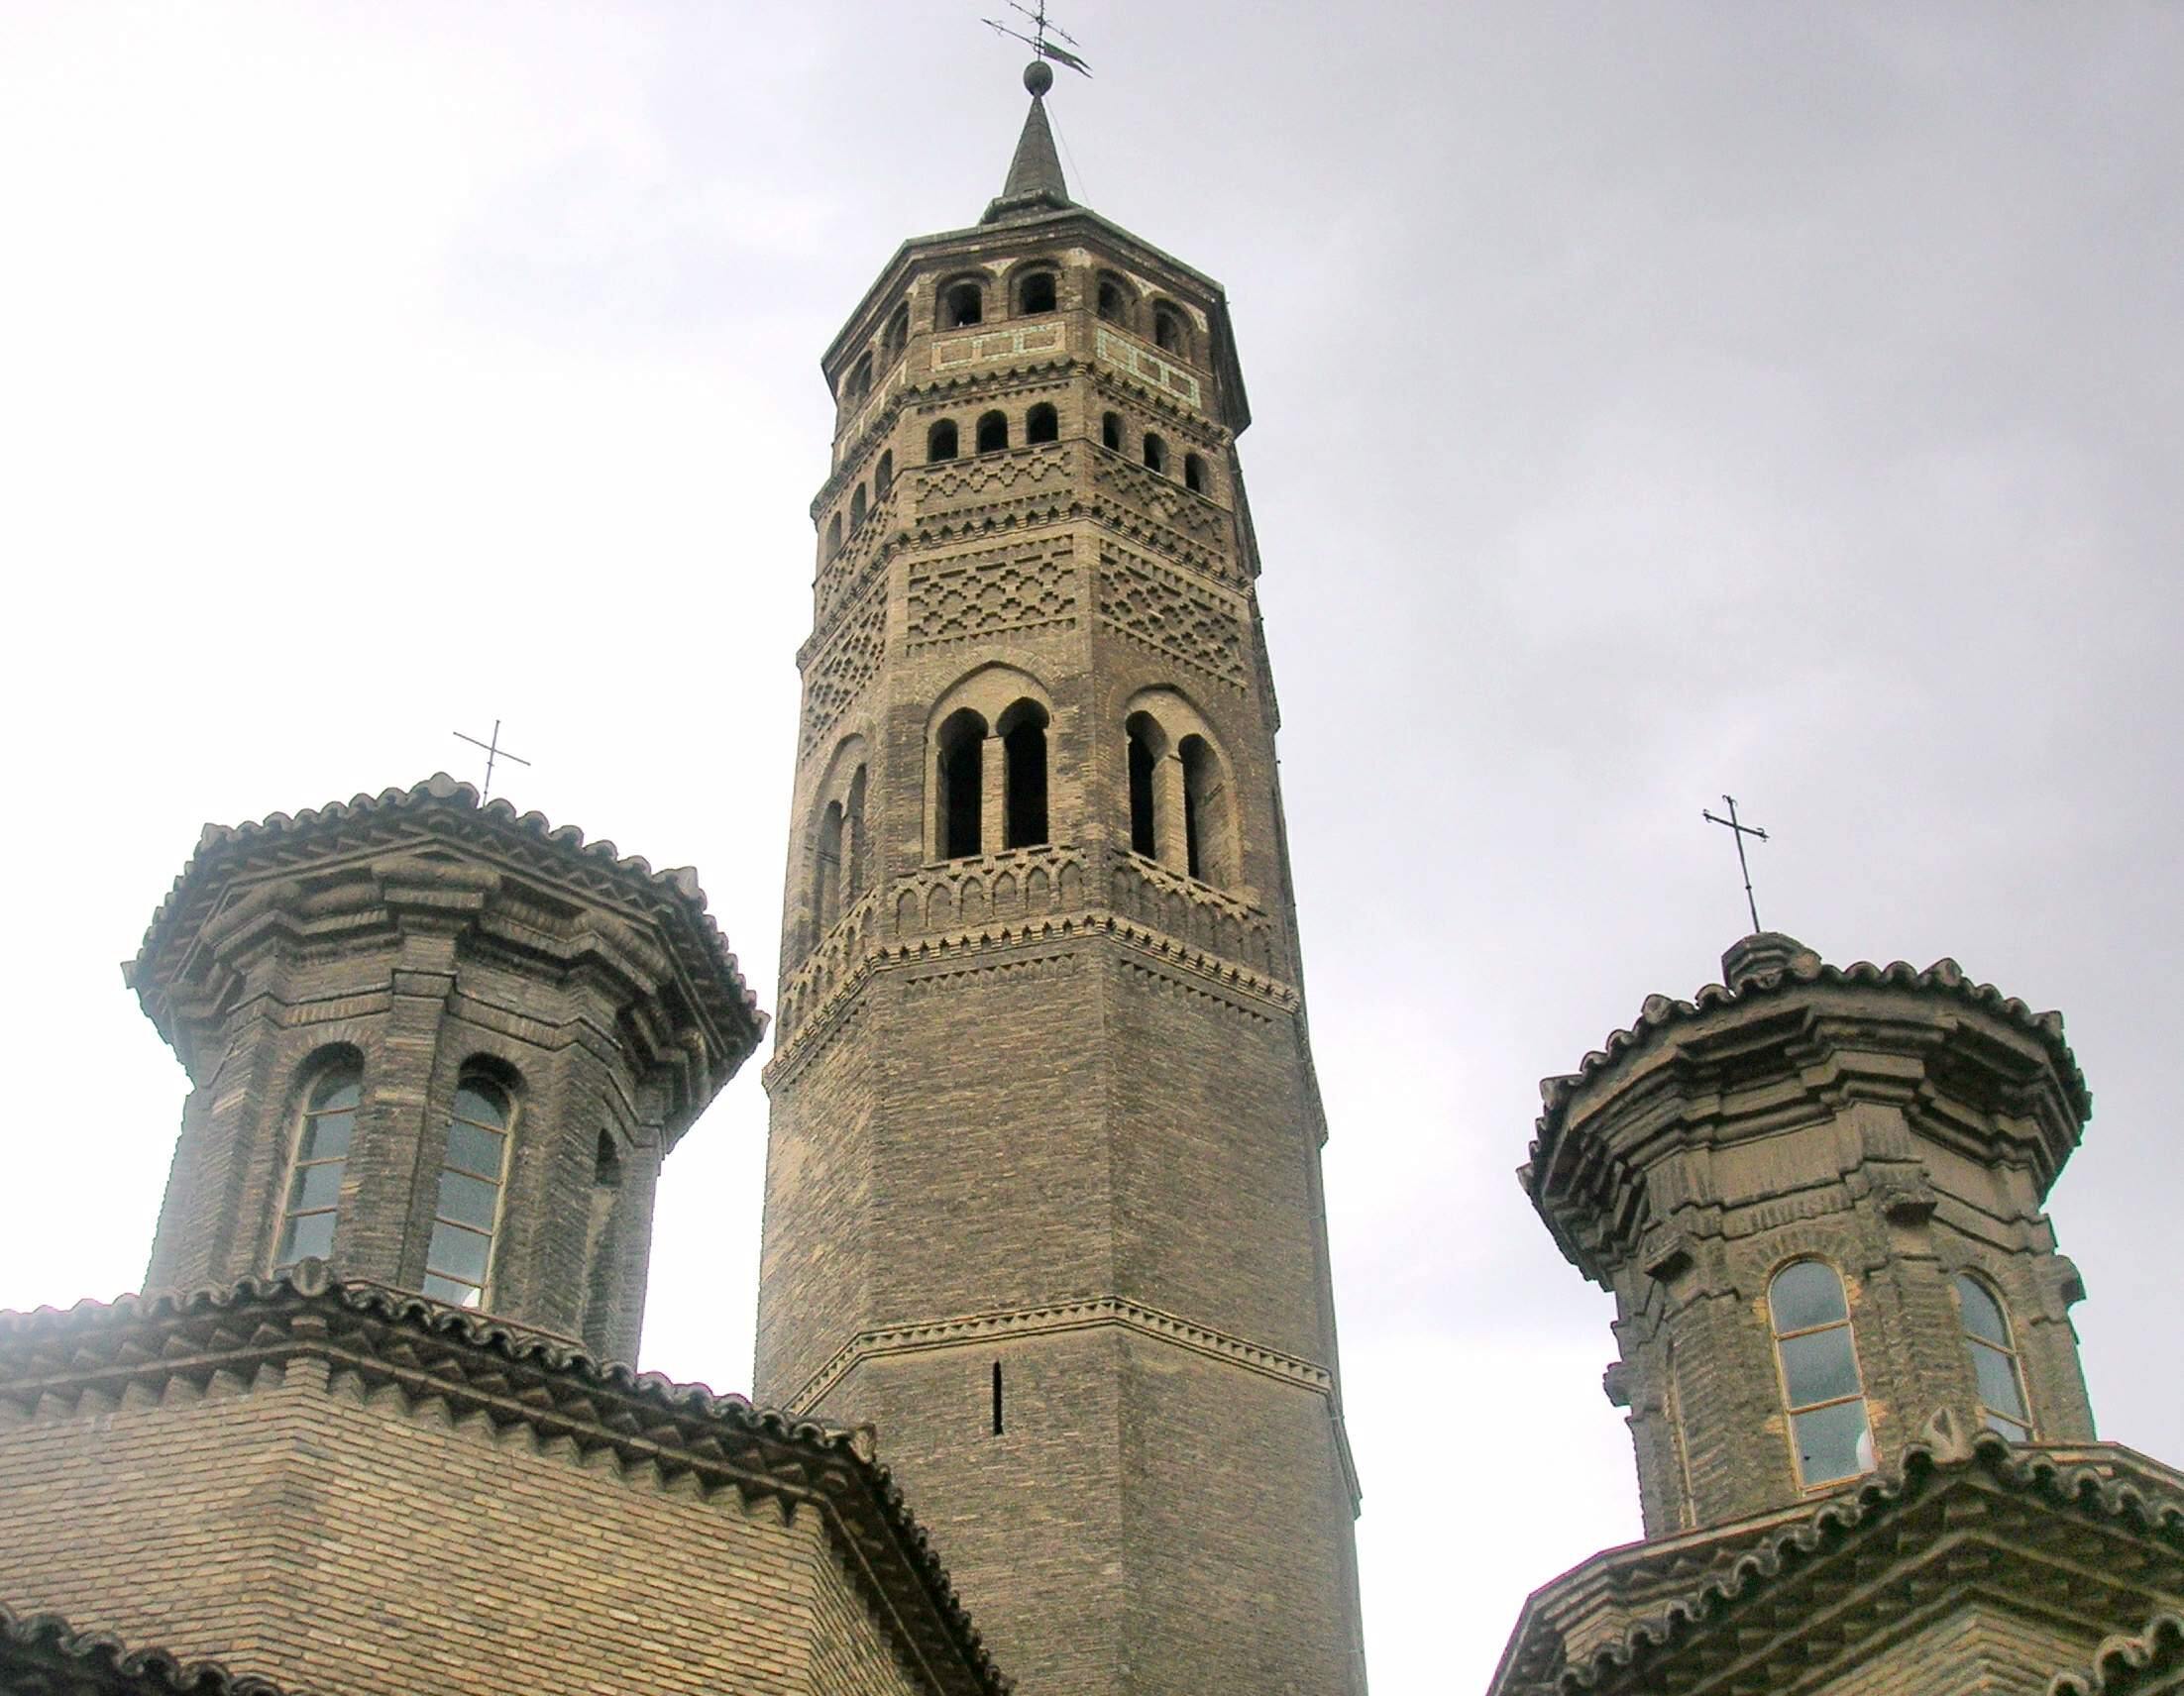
x: 1043, y: 1178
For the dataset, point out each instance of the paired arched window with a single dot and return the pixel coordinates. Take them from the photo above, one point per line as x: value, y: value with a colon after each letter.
x: 1111, y: 431
x: 1043, y: 424
x: 466, y: 1210
x: 962, y: 304
x: 1195, y: 474
x: 1202, y: 792
x: 940, y: 442
x: 1995, y: 1365
x: 897, y: 335
x: 1820, y: 1386
x: 1168, y: 333
x: 993, y: 432
x: 1145, y: 748
x: 1035, y: 294
x: 827, y: 871
x: 959, y: 752
x: 1023, y: 731
x: 325, y: 1128
x: 1156, y: 453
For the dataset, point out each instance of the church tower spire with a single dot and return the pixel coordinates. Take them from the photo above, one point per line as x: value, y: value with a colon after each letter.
x: 1043, y: 1194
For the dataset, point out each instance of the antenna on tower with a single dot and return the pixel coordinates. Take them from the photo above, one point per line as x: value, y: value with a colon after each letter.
x: 1036, y: 40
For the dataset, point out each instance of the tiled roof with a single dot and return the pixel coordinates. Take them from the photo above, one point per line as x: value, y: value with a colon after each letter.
x: 41, y: 1655
x: 473, y: 1361
x: 2140, y: 1665
x: 226, y: 848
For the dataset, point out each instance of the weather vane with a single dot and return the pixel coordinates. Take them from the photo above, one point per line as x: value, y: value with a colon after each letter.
x: 1740, y: 832
x: 494, y: 752
x: 1036, y: 40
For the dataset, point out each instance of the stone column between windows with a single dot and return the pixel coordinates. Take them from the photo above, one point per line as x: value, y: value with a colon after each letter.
x: 1171, y: 846
x: 395, y: 1133
x: 993, y: 795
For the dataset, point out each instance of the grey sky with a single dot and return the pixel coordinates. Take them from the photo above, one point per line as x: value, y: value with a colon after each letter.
x: 1651, y: 399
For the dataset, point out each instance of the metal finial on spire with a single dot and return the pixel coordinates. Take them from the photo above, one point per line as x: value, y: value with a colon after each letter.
x: 494, y: 752
x: 1037, y: 76
x: 1740, y: 832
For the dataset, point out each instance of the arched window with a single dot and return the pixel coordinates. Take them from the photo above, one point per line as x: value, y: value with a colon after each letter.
x: 940, y: 442
x: 1205, y: 812
x: 897, y: 335
x: 1156, y: 453
x: 1111, y: 431
x: 1195, y: 474
x: 959, y: 770
x: 834, y: 536
x: 1146, y: 749
x: 325, y: 1126
x: 1041, y: 424
x: 827, y: 869
x: 1114, y: 300
x: 1037, y: 292
x: 1168, y: 333
x: 856, y: 508
x: 961, y: 304
x: 883, y: 478
x: 852, y: 827
x: 1993, y: 1360
x: 860, y: 379
x: 459, y: 1257
x: 993, y: 432
x: 1023, y: 731
x: 1820, y: 1386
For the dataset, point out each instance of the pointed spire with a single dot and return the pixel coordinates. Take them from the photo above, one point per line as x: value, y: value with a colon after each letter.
x: 1034, y: 175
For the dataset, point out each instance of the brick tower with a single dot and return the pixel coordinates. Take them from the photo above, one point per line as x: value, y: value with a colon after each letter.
x: 1815, y: 1194
x: 1043, y: 1182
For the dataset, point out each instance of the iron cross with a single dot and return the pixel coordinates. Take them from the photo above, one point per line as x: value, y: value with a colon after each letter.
x: 1740, y: 832
x: 493, y: 751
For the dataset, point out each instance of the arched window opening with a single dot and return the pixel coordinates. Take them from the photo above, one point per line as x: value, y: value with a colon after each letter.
x: 897, y: 335
x: 1036, y: 293
x: 1820, y: 1386
x: 1113, y: 301
x: 860, y: 379
x: 1024, y: 775
x: 993, y: 432
x: 1041, y: 424
x: 2002, y: 1404
x: 1145, y: 754
x: 325, y: 1130
x: 961, y: 304
x: 852, y: 824
x: 1205, y: 809
x: 607, y: 1164
x: 883, y: 477
x: 1195, y: 474
x: 959, y: 769
x: 940, y: 442
x: 827, y: 869
x: 467, y: 1210
x: 1156, y: 453
x: 856, y: 508
x: 1168, y: 331
x: 834, y: 536
x: 1111, y: 431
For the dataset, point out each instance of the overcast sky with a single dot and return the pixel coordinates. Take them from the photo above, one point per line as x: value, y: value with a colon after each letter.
x: 1653, y: 401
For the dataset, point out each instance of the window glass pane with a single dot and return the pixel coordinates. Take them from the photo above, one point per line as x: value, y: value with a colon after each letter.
x: 317, y: 1186
x: 1806, y: 1294
x: 1819, y: 1366
x: 475, y: 1150
x: 482, y: 1104
x: 1998, y: 1380
x: 1831, y: 1442
x: 326, y: 1136
x: 307, y: 1234
x: 458, y: 1253
x: 448, y: 1290
x: 467, y: 1201
x: 2007, y: 1428
x: 1982, y: 1315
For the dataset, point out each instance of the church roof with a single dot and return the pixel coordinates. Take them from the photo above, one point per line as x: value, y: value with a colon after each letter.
x: 43, y: 1653
x: 474, y: 1362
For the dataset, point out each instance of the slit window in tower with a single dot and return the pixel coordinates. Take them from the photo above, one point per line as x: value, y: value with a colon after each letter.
x: 1156, y: 453
x: 961, y: 304
x: 993, y: 432
x: 467, y: 1210
x: 1142, y: 759
x: 997, y: 1398
x: 940, y: 442
x: 1039, y: 292
x: 1041, y: 424
x: 958, y: 760
x: 321, y: 1156
x: 1024, y: 752
x: 1820, y: 1386
x: 1111, y: 431
x: 2002, y: 1406
x: 853, y: 830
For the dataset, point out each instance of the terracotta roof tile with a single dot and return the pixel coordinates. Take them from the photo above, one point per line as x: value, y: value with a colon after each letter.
x: 41, y: 1655
x: 2140, y: 1665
